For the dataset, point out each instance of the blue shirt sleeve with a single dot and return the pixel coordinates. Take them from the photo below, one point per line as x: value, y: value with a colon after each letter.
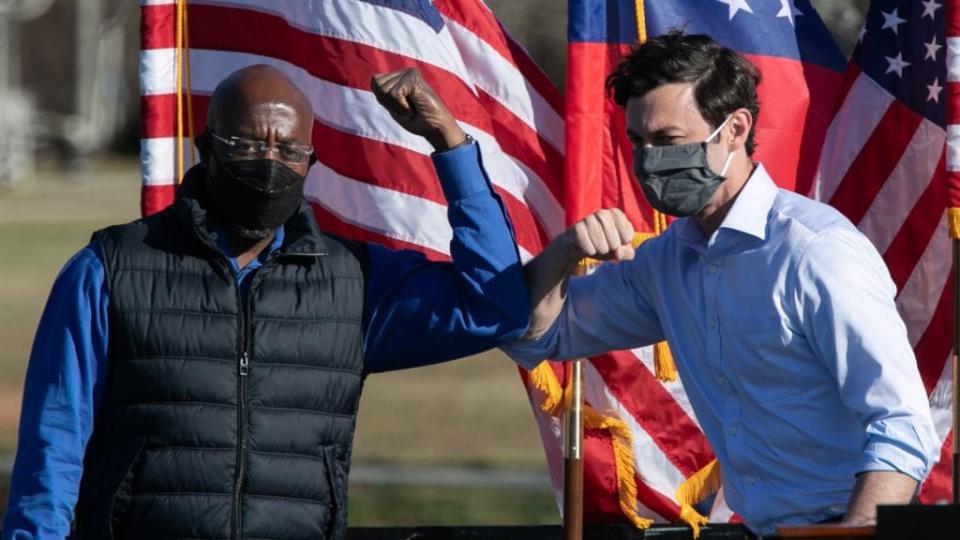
x: 845, y: 300
x: 419, y: 312
x: 63, y: 387
x: 607, y: 310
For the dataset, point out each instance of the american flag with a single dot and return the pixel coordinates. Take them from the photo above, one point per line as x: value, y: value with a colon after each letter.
x: 373, y: 181
x: 884, y: 167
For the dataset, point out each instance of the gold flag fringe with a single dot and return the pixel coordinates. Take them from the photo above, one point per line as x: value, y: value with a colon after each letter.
x: 698, y: 487
x: 623, y: 459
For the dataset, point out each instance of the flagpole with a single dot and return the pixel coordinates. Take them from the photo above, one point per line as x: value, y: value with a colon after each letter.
x: 955, y: 358
x: 573, y: 450
x: 573, y: 457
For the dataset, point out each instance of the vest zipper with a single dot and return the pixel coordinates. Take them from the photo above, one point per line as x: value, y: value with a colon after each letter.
x: 244, y: 364
x: 243, y: 369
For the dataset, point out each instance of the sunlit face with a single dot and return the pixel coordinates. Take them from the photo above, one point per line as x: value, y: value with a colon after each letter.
x: 668, y: 115
x: 273, y: 122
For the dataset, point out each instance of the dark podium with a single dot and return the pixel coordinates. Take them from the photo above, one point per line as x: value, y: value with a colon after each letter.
x: 547, y: 532
x: 913, y: 522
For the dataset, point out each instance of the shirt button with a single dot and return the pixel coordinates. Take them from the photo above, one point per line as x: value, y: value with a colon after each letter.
x: 751, y: 480
x: 712, y: 268
x: 721, y: 380
x: 732, y: 430
x: 713, y: 322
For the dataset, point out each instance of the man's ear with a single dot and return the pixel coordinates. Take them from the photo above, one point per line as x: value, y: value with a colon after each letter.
x: 739, y: 126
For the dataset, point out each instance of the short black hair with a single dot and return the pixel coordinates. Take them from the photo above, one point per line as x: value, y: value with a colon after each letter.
x: 723, y: 81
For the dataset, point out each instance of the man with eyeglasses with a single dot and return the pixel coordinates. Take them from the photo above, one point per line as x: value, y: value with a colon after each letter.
x: 196, y: 373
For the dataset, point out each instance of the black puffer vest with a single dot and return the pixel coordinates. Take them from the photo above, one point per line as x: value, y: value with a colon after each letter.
x: 221, y: 420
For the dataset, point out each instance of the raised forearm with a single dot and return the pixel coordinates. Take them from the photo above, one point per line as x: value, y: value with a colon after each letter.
x: 547, y: 277
x: 605, y: 234
x: 874, y: 488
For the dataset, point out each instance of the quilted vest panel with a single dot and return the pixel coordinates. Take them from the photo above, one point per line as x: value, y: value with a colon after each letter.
x: 224, y: 418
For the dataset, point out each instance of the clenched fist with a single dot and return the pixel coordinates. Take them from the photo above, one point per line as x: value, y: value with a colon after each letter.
x: 416, y: 107
x: 604, y: 235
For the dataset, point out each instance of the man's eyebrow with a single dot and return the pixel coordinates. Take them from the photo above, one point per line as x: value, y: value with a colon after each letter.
x: 656, y: 133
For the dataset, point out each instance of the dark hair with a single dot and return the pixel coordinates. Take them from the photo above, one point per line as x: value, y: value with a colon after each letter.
x: 723, y: 81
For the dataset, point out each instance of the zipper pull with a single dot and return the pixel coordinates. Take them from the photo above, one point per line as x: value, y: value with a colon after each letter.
x: 244, y: 364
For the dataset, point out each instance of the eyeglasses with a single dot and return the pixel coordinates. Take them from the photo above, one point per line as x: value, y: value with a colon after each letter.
x: 241, y: 148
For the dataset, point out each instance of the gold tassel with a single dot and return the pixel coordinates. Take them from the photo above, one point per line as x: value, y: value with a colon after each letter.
x: 545, y: 380
x: 622, y: 441
x: 953, y: 222
x: 663, y: 366
x: 698, y: 487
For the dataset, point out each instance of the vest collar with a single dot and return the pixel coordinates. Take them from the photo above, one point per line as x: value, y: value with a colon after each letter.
x: 302, y: 236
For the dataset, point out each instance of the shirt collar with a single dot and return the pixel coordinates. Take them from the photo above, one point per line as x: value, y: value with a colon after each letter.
x: 750, y: 211
x: 275, y: 244
x: 747, y: 215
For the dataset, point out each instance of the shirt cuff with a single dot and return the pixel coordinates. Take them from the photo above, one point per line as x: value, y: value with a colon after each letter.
x: 461, y: 172
x: 897, y: 447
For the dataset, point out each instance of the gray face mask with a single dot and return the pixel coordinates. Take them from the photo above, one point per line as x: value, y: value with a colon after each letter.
x: 677, y: 179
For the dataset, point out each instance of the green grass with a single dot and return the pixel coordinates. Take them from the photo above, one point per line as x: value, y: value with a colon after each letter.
x: 402, y: 506
x: 41, y: 250
x: 377, y: 506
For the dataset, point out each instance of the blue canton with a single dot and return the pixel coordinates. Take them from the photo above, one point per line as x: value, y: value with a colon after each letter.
x: 421, y: 9
x: 902, y: 47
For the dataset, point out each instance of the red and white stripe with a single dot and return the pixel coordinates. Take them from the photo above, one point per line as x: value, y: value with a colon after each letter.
x: 885, y: 167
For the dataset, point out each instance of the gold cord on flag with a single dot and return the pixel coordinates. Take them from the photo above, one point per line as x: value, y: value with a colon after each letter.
x: 953, y: 222
x: 181, y: 70
x: 178, y: 83
x: 641, y: 22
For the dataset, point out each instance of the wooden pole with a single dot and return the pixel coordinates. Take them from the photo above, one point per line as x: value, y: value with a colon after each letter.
x: 956, y: 368
x: 573, y: 447
x: 573, y: 458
